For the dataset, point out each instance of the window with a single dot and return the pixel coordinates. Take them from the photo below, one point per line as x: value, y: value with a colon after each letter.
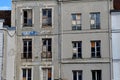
x: 96, y: 75
x: 26, y: 74
x: 47, y: 74
x: 77, y: 49
x: 76, y: 21
x: 95, y: 49
x: 46, y: 48
x: 95, y: 20
x: 27, y: 49
x: 77, y: 75
x: 46, y: 17
x: 27, y: 17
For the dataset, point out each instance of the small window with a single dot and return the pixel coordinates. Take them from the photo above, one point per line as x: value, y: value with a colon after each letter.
x: 77, y: 49
x: 96, y: 75
x: 95, y: 20
x: 26, y: 74
x: 46, y: 18
x: 76, y: 21
x: 77, y: 75
x: 46, y: 48
x: 27, y: 49
x: 95, y: 49
x: 27, y: 17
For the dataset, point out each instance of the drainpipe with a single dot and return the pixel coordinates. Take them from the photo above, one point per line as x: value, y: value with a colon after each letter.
x: 59, y: 37
x: 110, y: 40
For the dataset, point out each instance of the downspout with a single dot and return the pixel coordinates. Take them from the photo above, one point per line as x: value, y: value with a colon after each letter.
x: 59, y: 37
x: 110, y: 39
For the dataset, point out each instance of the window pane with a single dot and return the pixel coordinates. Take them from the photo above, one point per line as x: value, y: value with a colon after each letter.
x: 93, y: 75
x: 80, y: 75
x: 44, y: 12
x: 79, y: 49
x: 49, y: 41
x: 24, y: 72
x: 25, y: 43
x: 49, y: 13
x: 49, y: 74
x: 74, y: 28
x: 98, y: 43
x: 78, y: 17
x: 74, y: 45
x: 98, y: 54
x: 25, y: 49
x: 98, y: 49
x: 47, y: 17
x: 79, y: 55
x: 74, y: 75
x: 78, y: 22
x: 73, y: 17
x: 99, y: 75
x: 93, y: 54
x: 95, y: 20
x: 92, y: 44
x: 93, y: 50
x: 73, y: 22
x: 49, y: 48
x: 78, y: 27
x: 27, y: 17
x: 29, y: 73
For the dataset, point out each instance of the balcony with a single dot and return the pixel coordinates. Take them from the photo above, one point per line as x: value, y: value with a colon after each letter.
x: 46, y: 56
x: 26, y: 57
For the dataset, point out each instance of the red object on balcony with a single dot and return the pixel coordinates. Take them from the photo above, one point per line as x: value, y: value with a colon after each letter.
x: 116, y: 4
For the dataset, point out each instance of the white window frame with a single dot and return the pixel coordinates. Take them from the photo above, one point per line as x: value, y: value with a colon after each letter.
x: 25, y: 67
x: 96, y: 49
x: 95, y: 27
x: 51, y: 17
x: 76, y: 28
x: 96, y: 74
x: 53, y: 47
x: 41, y: 71
x: 75, y: 49
x: 77, y: 71
x: 29, y: 39
x: 22, y: 21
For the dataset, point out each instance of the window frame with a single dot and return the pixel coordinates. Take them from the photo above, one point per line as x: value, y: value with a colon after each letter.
x: 32, y: 16
x: 96, y: 74
x: 95, y: 21
x: 41, y: 17
x: 48, y: 44
x: 27, y: 53
x: 77, y: 74
x: 76, y: 20
x: 78, y: 47
x: 26, y: 68
x: 41, y: 71
x: 97, y: 49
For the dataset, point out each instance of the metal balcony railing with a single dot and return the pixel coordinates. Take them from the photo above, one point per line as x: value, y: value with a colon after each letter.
x: 46, y: 55
x: 26, y: 57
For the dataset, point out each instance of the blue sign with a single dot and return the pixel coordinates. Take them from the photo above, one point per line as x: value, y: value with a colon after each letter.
x: 29, y: 33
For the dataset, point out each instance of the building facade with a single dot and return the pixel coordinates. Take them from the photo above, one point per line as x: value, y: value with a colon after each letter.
x: 85, y: 53
x: 64, y: 39
x: 115, y: 14
x: 37, y: 39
